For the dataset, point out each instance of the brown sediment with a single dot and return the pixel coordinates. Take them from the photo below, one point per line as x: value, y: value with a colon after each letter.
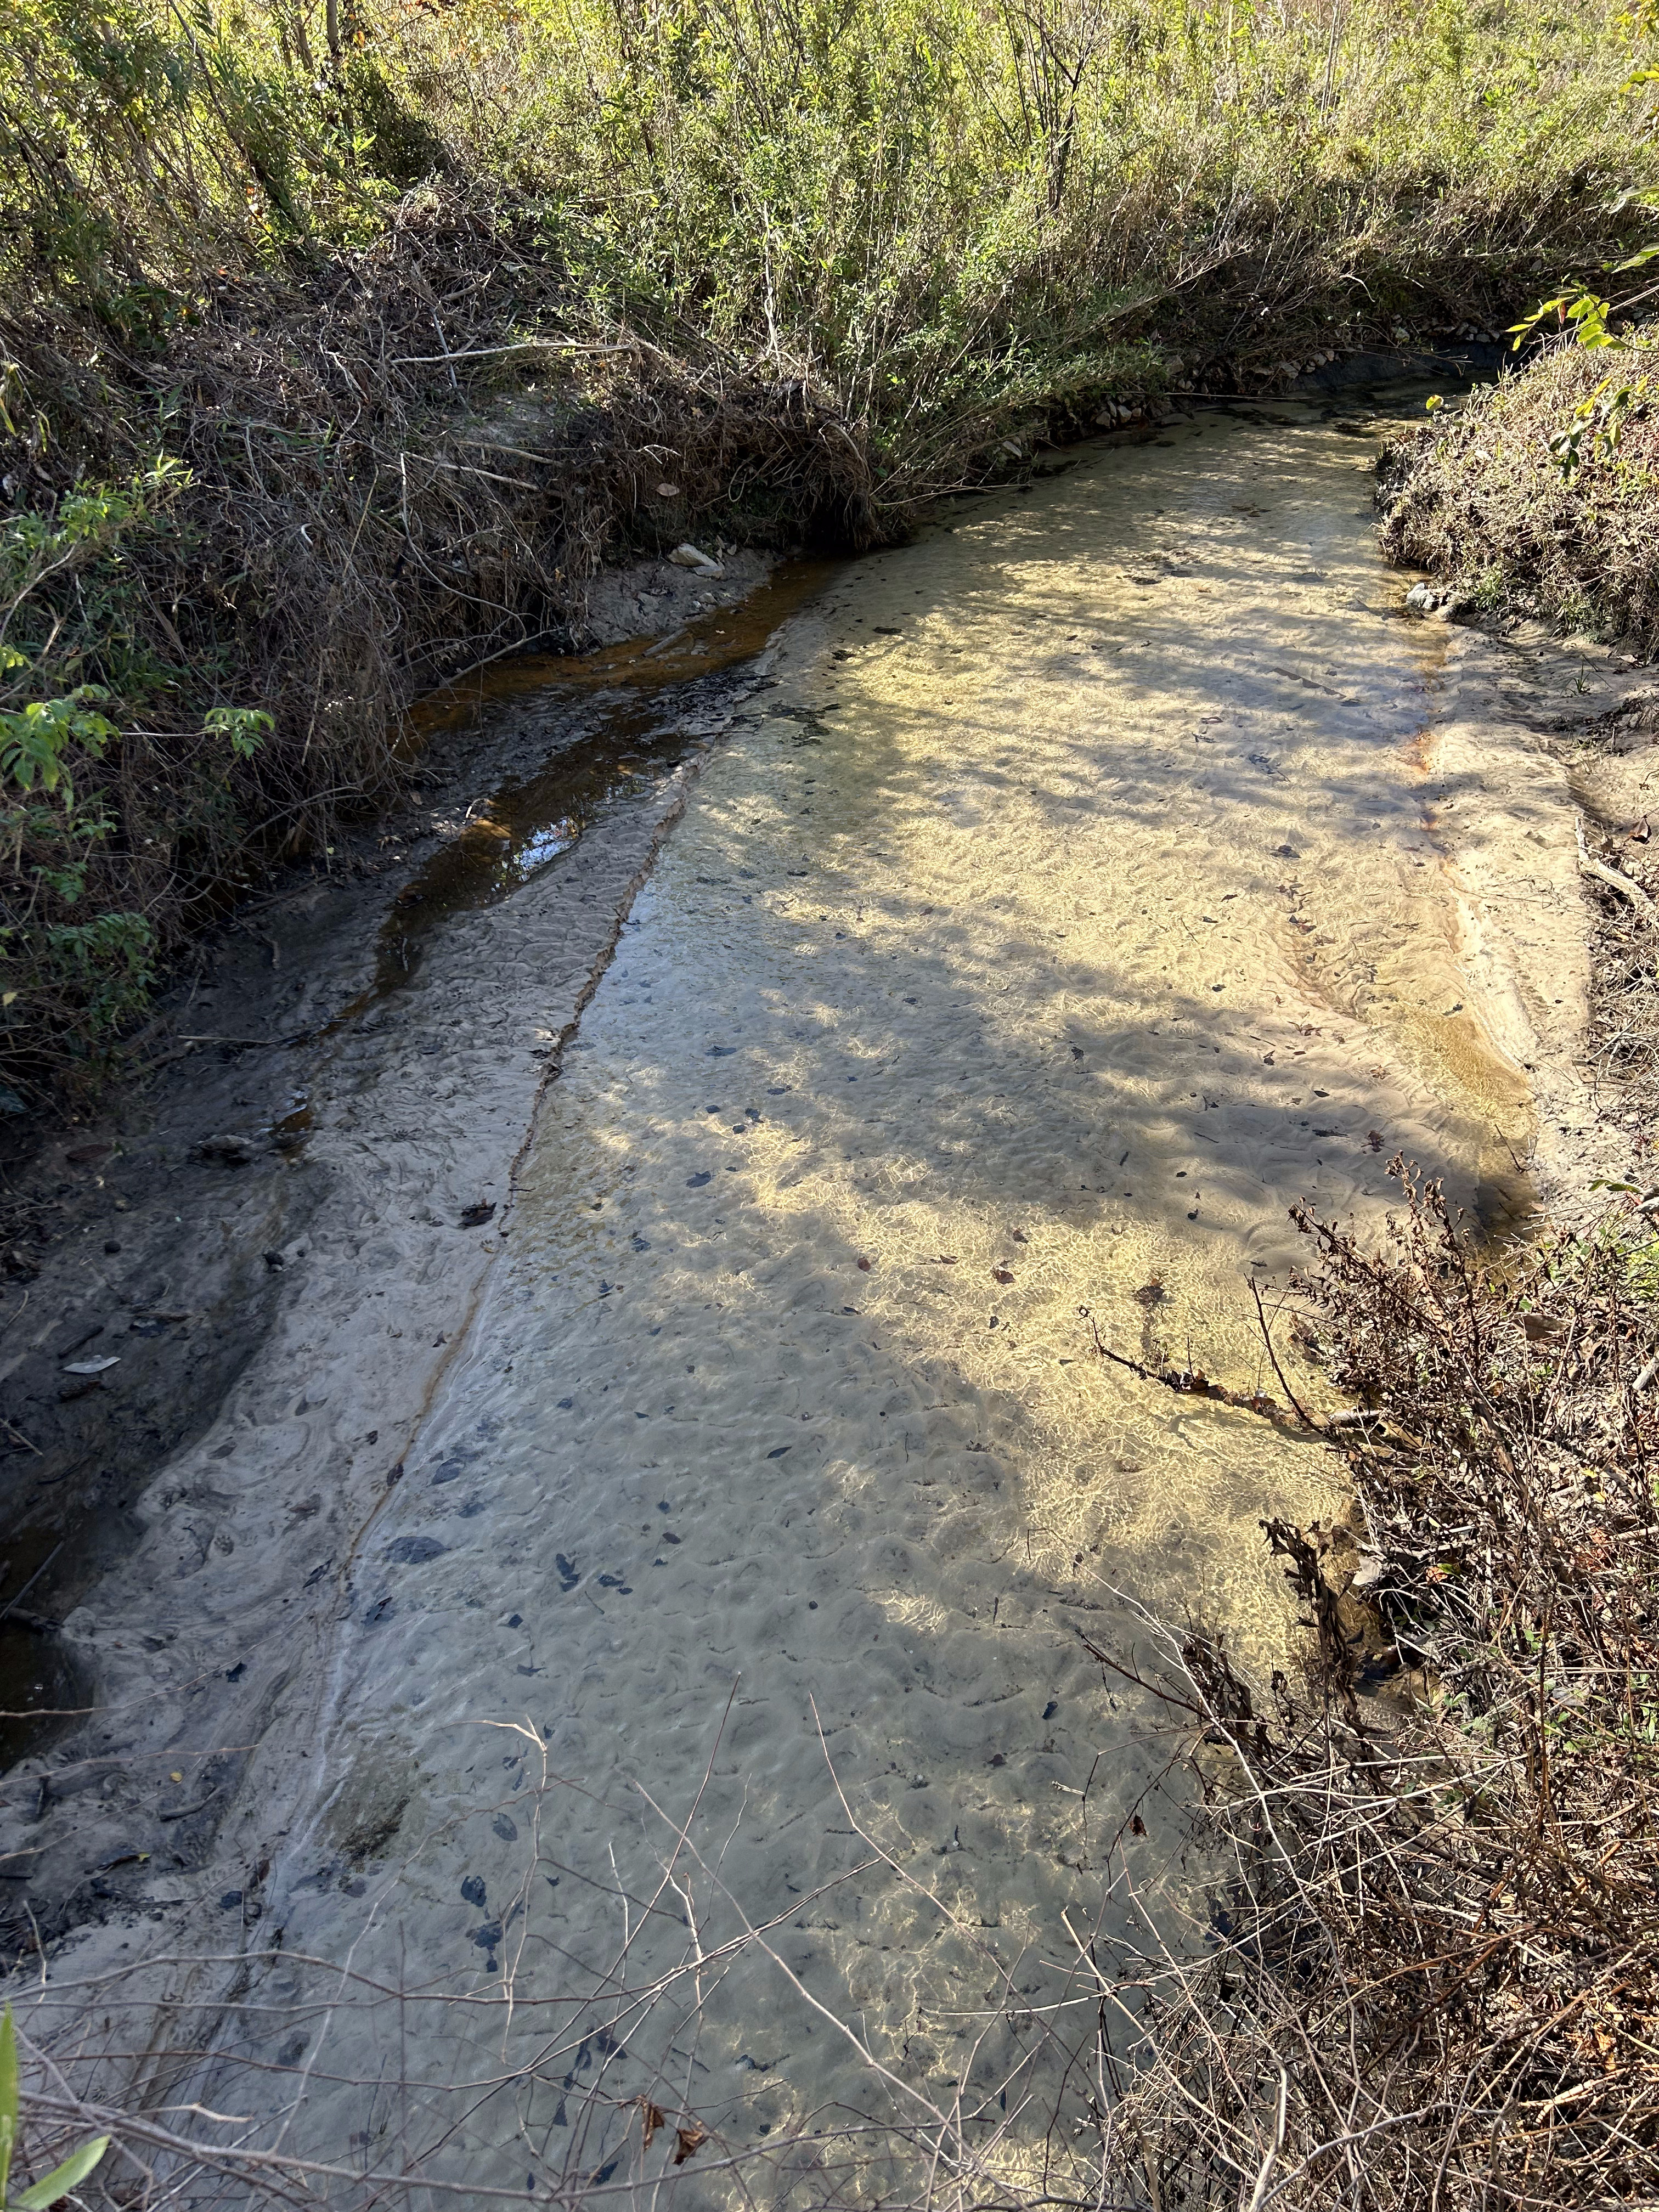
x: 702, y: 647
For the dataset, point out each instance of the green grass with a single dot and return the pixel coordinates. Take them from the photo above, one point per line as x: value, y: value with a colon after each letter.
x: 880, y: 193
x: 852, y: 248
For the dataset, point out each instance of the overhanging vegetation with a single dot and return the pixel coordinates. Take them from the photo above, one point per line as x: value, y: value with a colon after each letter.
x: 341, y: 343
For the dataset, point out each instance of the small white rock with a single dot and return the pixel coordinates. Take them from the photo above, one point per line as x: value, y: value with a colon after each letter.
x: 91, y: 1366
x: 692, y: 557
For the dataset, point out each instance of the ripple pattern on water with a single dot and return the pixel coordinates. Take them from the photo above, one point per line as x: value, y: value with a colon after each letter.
x: 1067, y: 912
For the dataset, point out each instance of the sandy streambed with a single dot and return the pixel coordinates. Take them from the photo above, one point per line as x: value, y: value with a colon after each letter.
x: 1078, y: 897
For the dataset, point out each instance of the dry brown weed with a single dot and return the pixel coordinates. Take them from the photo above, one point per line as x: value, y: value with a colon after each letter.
x: 1434, y: 1971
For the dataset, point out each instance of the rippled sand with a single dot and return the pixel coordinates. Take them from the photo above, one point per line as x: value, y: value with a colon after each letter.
x: 1067, y: 912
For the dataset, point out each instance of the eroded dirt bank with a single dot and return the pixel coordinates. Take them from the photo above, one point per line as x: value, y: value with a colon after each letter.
x: 1096, y: 878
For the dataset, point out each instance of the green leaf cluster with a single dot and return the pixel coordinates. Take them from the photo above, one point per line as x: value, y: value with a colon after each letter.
x: 1595, y: 428
x: 78, y: 954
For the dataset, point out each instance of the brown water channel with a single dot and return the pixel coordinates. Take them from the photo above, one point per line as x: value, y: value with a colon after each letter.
x: 637, y: 737
x: 1065, y: 914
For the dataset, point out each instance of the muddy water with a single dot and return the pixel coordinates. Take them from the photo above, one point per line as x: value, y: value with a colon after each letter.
x: 1065, y: 913
x: 531, y: 822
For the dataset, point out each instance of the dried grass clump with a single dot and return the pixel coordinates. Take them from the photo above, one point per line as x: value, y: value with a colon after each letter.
x: 1477, y: 498
x: 1434, y: 1975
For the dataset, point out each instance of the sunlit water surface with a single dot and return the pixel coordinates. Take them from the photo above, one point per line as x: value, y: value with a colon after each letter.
x: 1064, y: 915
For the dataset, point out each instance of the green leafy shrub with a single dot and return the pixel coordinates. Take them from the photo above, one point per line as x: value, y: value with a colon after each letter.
x: 78, y: 960
x: 1595, y: 428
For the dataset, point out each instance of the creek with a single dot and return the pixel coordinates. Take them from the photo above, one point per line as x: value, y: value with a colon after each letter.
x: 724, y: 1662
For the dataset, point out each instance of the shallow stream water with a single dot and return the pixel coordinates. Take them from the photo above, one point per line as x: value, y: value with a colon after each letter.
x: 1065, y: 914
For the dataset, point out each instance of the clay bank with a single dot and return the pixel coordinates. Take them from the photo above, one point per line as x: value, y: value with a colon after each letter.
x: 609, y: 1694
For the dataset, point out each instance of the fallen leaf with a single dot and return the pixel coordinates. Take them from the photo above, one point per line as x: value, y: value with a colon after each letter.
x: 91, y: 1366
x: 864, y: 1266
x: 1001, y: 1275
x: 690, y: 2141
x: 655, y: 2117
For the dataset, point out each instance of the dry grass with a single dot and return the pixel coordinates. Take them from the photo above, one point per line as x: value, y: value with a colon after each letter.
x: 1433, y: 1977
x: 378, y: 491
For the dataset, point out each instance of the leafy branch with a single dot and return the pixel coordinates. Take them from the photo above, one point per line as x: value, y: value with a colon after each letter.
x: 1601, y: 418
